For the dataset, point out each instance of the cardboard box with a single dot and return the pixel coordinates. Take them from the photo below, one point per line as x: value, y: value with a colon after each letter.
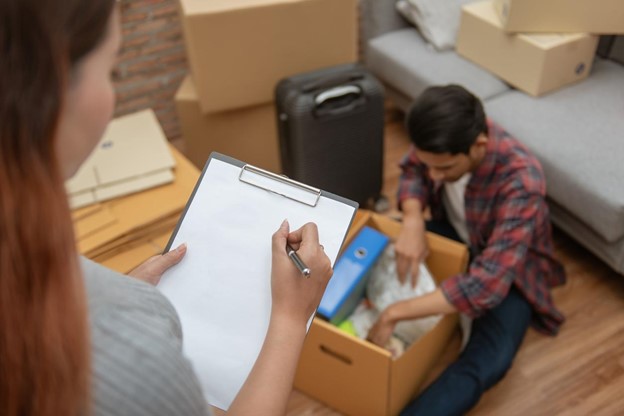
x: 239, y: 49
x: 361, y: 379
x: 348, y: 283
x: 592, y: 16
x: 249, y: 134
x: 535, y: 64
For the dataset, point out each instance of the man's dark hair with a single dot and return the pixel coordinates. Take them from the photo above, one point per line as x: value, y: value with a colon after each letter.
x: 446, y: 119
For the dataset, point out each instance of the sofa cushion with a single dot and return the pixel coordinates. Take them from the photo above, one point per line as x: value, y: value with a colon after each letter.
x: 403, y: 60
x: 577, y: 134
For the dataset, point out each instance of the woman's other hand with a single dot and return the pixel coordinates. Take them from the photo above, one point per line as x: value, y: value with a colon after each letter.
x: 152, y: 270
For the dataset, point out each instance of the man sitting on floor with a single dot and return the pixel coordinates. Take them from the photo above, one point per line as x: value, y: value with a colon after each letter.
x: 487, y: 190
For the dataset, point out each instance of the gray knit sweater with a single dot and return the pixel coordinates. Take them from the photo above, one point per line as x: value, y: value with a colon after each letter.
x: 138, y: 365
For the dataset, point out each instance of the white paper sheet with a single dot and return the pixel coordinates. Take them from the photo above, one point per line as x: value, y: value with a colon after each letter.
x: 222, y: 288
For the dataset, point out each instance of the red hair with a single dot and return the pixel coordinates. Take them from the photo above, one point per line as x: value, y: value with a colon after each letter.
x: 44, y: 333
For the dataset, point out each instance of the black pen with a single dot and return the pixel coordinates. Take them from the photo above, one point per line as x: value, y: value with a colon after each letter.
x: 305, y: 270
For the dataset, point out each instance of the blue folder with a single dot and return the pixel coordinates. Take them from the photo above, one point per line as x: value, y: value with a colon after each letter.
x: 347, y: 285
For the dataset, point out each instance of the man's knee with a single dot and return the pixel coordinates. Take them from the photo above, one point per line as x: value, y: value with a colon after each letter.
x: 487, y: 360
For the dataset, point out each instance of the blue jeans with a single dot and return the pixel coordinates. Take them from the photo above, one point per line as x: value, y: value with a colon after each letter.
x: 494, y: 342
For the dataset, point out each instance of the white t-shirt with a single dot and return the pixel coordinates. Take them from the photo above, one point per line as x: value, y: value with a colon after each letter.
x: 453, y: 199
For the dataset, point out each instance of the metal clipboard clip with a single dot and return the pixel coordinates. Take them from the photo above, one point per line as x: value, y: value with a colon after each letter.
x: 302, y: 193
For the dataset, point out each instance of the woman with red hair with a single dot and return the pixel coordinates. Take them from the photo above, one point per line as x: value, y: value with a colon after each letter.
x: 76, y: 338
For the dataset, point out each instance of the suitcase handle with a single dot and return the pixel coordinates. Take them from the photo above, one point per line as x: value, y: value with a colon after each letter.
x: 332, y: 81
x: 336, y: 92
x: 336, y: 102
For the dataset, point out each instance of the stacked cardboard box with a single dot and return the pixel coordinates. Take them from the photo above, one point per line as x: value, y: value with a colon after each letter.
x: 248, y: 134
x: 537, y: 63
x: 238, y: 50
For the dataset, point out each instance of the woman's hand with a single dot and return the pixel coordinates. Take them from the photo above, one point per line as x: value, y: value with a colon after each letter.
x: 295, y: 296
x: 152, y: 270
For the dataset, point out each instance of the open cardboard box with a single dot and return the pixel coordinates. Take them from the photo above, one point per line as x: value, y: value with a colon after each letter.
x: 359, y: 378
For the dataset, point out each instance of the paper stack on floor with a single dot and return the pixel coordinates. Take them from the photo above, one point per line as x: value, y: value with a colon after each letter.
x: 121, y: 233
x: 132, y: 156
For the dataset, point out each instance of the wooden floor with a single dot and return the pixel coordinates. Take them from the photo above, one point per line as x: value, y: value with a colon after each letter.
x: 579, y: 372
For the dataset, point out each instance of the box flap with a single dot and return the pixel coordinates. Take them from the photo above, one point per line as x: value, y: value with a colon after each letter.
x: 484, y: 10
x: 361, y: 218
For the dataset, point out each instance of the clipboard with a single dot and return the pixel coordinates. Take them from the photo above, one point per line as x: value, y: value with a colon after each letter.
x: 222, y: 288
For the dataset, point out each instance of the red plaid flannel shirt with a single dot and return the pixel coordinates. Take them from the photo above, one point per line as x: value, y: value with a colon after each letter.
x: 509, y: 227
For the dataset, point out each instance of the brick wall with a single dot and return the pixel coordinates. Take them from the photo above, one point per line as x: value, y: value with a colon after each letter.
x: 152, y: 61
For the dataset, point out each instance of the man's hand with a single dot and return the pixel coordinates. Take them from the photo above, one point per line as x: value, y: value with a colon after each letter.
x: 152, y: 270
x: 382, y: 330
x: 433, y: 303
x: 411, y: 245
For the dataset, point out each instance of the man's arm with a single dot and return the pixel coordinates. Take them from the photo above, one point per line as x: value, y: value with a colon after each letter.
x: 413, y: 195
x: 411, y: 245
x: 490, y: 275
x: 433, y: 303
x: 413, y: 182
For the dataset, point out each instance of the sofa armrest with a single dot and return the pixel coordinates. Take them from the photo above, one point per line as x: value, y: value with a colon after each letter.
x: 378, y: 17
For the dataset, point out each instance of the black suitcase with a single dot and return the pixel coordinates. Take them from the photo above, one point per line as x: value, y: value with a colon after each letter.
x: 331, y: 125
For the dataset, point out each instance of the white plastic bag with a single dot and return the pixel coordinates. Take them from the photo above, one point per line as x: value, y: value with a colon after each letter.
x: 384, y: 289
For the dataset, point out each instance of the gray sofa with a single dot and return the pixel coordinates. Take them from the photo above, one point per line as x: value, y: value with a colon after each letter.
x: 576, y: 132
